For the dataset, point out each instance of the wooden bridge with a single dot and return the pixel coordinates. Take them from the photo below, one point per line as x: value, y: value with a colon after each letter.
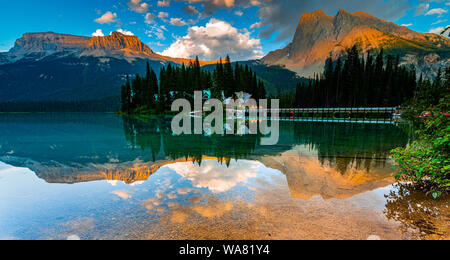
x: 351, y: 115
x: 333, y: 111
x: 381, y: 121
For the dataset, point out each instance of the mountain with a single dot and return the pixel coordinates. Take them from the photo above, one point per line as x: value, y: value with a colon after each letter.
x: 117, y: 45
x: 51, y: 67
x: 87, y: 72
x: 93, y: 147
x: 3, y: 58
x: 67, y: 78
x: 318, y: 36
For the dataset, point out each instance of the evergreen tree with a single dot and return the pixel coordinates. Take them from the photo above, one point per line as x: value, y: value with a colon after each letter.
x: 360, y: 82
x: 228, y: 78
x: 237, y: 78
x: 328, y: 84
x: 379, y: 84
x: 181, y: 82
x: 126, y: 96
x: 338, y: 80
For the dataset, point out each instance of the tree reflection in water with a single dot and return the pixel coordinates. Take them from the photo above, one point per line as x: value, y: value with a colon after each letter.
x: 346, y: 146
x: 343, y: 146
x: 425, y: 217
x: 155, y: 136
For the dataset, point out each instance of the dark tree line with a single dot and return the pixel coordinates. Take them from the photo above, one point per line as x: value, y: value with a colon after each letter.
x: 140, y: 92
x: 357, y: 81
x: 364, y: 146
x: 347, y: 146
x: 433, y: 93
x: 154, y: 134
x: 146, y: 93
x: 228, y: 81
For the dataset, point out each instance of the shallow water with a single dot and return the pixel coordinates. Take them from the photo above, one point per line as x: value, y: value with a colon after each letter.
x: 99, y: 176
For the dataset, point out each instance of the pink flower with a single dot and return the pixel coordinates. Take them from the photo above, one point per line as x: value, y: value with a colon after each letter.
x: 427, y: 114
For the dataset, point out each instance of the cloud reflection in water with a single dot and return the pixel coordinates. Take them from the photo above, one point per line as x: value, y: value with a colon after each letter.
x: 216, y: 177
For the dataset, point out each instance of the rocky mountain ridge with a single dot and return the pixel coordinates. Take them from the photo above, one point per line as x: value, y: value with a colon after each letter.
x: 117, y: 45
x: 318, y: 36
x: 52, y: 67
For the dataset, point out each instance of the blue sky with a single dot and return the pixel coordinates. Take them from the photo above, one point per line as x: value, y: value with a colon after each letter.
x: 247, y: 28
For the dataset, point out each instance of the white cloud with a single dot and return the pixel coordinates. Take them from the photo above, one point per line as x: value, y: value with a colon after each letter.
x: 216, y: 39
x: 239, y: 13
x: 159, y: 44
x: 437, y: 30
x: 255, y: 3
x: 211, y: 6
x: 217, y: 178
x: 164, y: 3
x: 439, y: 21
x: 150, y: 18
x: 98, y: 33
x: 163, y: 15
x: 137, y: 6
x: 226, y: 3
x: 422, y: 9
x: 108, y: 17
x: 256, y: 25
x: 438, y: 11
x: 177, y: 22
x: 407, y: 25
x: 122, y: 194
x: 124, y: 32
x: 112, y: 182
x: 282, y: 17
x: 190, y: 10
x: 157, y: 32
x: 221, y: 3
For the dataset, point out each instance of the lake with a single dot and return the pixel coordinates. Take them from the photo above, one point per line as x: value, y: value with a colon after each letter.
x: 102, y: 176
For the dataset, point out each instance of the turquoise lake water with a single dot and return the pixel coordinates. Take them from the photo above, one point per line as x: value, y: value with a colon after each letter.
x: 101, y: 176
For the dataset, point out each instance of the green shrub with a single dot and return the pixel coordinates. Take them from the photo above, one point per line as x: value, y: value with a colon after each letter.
x: 426, y: 161
x: 427, y: 158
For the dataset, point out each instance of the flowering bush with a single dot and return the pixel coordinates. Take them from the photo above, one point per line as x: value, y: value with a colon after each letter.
x: 427, y: 158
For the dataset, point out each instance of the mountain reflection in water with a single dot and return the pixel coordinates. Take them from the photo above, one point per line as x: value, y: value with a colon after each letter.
x: 132, y: 179
x: 76, y: 148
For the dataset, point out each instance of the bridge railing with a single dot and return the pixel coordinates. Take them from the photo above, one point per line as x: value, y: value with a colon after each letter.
x: 332, y: 120
x: 334, y: 110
